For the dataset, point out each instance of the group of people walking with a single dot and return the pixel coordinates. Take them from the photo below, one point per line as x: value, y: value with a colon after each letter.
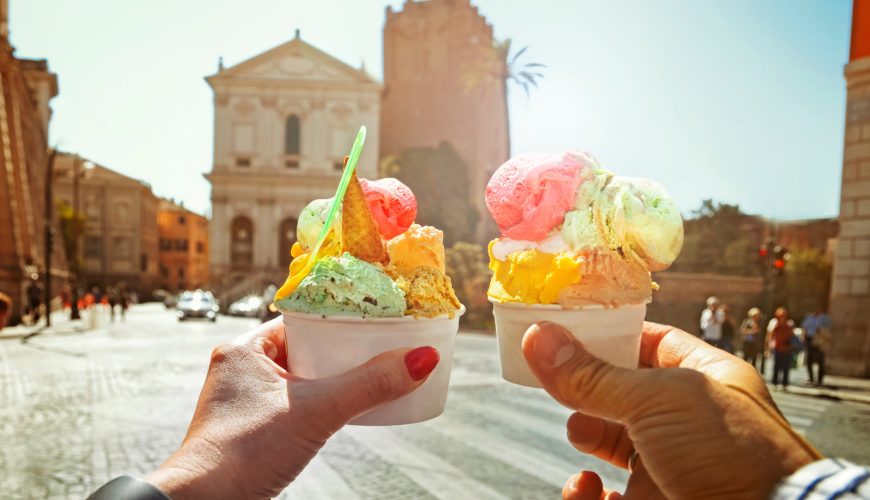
x: 780, y: 339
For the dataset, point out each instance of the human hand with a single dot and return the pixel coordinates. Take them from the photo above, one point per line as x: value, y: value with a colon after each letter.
x: 701, y: 420
x: 256, y: 425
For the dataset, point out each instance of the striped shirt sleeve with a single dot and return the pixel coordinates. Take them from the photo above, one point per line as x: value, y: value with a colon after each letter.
x: 825, y: 480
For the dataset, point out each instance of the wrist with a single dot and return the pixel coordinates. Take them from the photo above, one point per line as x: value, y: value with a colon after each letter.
x: 189, y: 473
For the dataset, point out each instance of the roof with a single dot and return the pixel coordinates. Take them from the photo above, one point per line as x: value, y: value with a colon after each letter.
x: 293, y: 60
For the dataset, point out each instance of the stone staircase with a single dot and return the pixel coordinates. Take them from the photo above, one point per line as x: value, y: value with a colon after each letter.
x: 236, y: 285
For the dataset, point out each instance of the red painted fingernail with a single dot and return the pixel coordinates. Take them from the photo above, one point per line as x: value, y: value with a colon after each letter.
x: 421, y: 361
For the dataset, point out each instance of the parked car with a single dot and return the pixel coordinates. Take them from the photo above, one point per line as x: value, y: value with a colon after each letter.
x: 198, y: 304
x: 250, y: 306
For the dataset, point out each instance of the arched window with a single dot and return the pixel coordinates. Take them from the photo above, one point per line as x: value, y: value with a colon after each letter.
x: 241, y: 243
x: 286, y: 238
x: 291, y: 136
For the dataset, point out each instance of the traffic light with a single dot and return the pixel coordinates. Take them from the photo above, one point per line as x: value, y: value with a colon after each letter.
x: 780, y: 256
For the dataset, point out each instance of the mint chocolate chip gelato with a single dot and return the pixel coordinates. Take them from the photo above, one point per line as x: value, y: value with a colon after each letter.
x: 346, y: 286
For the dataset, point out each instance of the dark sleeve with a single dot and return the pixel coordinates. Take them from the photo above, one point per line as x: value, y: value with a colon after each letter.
x: 128, y: 488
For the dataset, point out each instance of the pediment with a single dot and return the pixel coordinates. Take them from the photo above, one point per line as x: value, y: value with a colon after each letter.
x: 294, y: 60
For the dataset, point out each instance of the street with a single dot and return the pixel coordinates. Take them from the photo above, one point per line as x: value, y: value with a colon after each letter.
x: 79, y: 409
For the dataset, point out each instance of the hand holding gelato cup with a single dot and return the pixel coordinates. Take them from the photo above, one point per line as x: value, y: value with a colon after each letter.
x: 377, y: 284
x: 577, y: 246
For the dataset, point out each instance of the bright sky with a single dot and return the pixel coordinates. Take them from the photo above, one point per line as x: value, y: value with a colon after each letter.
x: 742, y: 101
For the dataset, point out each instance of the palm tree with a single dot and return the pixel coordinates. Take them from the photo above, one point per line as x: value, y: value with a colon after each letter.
x: 495, y: 63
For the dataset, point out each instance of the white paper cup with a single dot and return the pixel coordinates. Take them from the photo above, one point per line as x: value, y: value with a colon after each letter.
x: 611, y: 333
x: 321, y: 346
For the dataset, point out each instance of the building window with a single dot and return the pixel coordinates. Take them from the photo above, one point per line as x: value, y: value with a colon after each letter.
x: 122, y: 247
x: 200, y: 247
x: 122, y: 212
x: 243, y: 161
x: 181, y: 245
x: 241, y: 243
x: 165, y: 245
x: 286, y: 237
x: 93, y: 247
x: 291, y: 136
x: 143, y: 263
x: 182, y: 220
x: 338, y: 165
x: 181, y: 273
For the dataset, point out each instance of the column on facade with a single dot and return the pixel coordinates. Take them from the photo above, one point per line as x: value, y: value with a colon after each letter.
x: 850, y: 295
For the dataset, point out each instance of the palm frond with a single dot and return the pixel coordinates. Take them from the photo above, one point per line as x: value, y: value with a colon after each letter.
x: 517, y: 55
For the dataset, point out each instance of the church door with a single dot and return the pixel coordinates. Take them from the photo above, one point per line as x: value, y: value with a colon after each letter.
x: 241, y: 244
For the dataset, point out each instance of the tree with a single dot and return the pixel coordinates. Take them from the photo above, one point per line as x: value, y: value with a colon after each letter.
x: 720, y: 238
x: 72, y: 227
x: 466, y: 266
x: 439, y: 179
x: 495, y: 64
x: 805, y: 285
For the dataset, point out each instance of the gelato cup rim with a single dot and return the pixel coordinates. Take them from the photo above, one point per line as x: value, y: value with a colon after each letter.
x: 369, y: 319
x: 560, y: 307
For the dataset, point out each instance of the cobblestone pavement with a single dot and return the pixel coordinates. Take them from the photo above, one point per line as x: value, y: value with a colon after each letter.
x: 79, y: 409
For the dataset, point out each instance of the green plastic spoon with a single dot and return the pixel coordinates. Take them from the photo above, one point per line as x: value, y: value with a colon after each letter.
x: 355, y: 151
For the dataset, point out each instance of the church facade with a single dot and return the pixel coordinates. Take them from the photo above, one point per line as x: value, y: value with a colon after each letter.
x: 284, y: 120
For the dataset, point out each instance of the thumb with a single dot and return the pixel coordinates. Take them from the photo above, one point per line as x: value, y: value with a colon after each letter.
x: 380, y: 380
x: 578, y: 379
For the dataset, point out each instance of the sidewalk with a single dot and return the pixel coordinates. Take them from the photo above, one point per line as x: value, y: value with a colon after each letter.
x: 60, y: 324
x: 837, y: 388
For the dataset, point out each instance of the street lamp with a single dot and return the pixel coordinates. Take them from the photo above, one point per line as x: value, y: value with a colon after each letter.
x: 80, y: 170
x: 49, y: 238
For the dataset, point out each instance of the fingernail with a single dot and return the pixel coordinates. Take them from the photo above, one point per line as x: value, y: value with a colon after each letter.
x: 554, y: 345
x: 421, y: 361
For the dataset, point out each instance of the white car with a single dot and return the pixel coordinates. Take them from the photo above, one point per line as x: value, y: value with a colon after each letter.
x: 250, y: 306
x: 196, y: 304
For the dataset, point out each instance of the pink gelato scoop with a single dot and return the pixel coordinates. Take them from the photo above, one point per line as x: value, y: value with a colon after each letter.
x: 528, y: 196
x: 392, y: 204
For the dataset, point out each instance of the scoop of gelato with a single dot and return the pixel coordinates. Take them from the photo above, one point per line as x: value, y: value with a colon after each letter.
x: 528, y: 196
x: 346, y: 286
x: 428, y: 292
x: 392, y: 205
x: 418, y: 246
x: 311, y: 222
x: 642, y: 219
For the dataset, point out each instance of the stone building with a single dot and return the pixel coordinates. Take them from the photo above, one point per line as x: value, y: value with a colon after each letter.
x: 183, y: 247
x: 850, y: 294
x: 429, y: 48
x: 26, y: 87
x: 120, y: 243
x: 284, y: 120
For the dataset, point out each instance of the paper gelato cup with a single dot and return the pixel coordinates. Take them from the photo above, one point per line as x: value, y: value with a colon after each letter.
x: 321, y: 346
x: 611, y: 333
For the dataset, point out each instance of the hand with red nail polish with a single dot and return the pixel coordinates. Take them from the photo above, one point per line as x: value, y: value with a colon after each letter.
x: 256, y: 425
x: 700, y: 420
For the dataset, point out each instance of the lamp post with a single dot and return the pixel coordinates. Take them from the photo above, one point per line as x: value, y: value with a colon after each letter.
x: 48, y: 211
x: 85, y: 166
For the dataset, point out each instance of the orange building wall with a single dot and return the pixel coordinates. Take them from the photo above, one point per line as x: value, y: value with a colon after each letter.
x: 183, y: 248
x: 860, y: 45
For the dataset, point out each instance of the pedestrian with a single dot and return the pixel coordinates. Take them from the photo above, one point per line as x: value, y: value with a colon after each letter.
x: 750, y: 331
x: 113, y: 301
x: 727, y: 342
x: 779, y: 340
x: 5, y: 307
x: 711, y: 322
x: 700, y: 425
x: 817, y: 327
x: 34, y: 300
x: 124, y: 300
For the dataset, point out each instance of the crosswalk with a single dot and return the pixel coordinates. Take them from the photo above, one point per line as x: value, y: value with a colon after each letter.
x: 800, y: 411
